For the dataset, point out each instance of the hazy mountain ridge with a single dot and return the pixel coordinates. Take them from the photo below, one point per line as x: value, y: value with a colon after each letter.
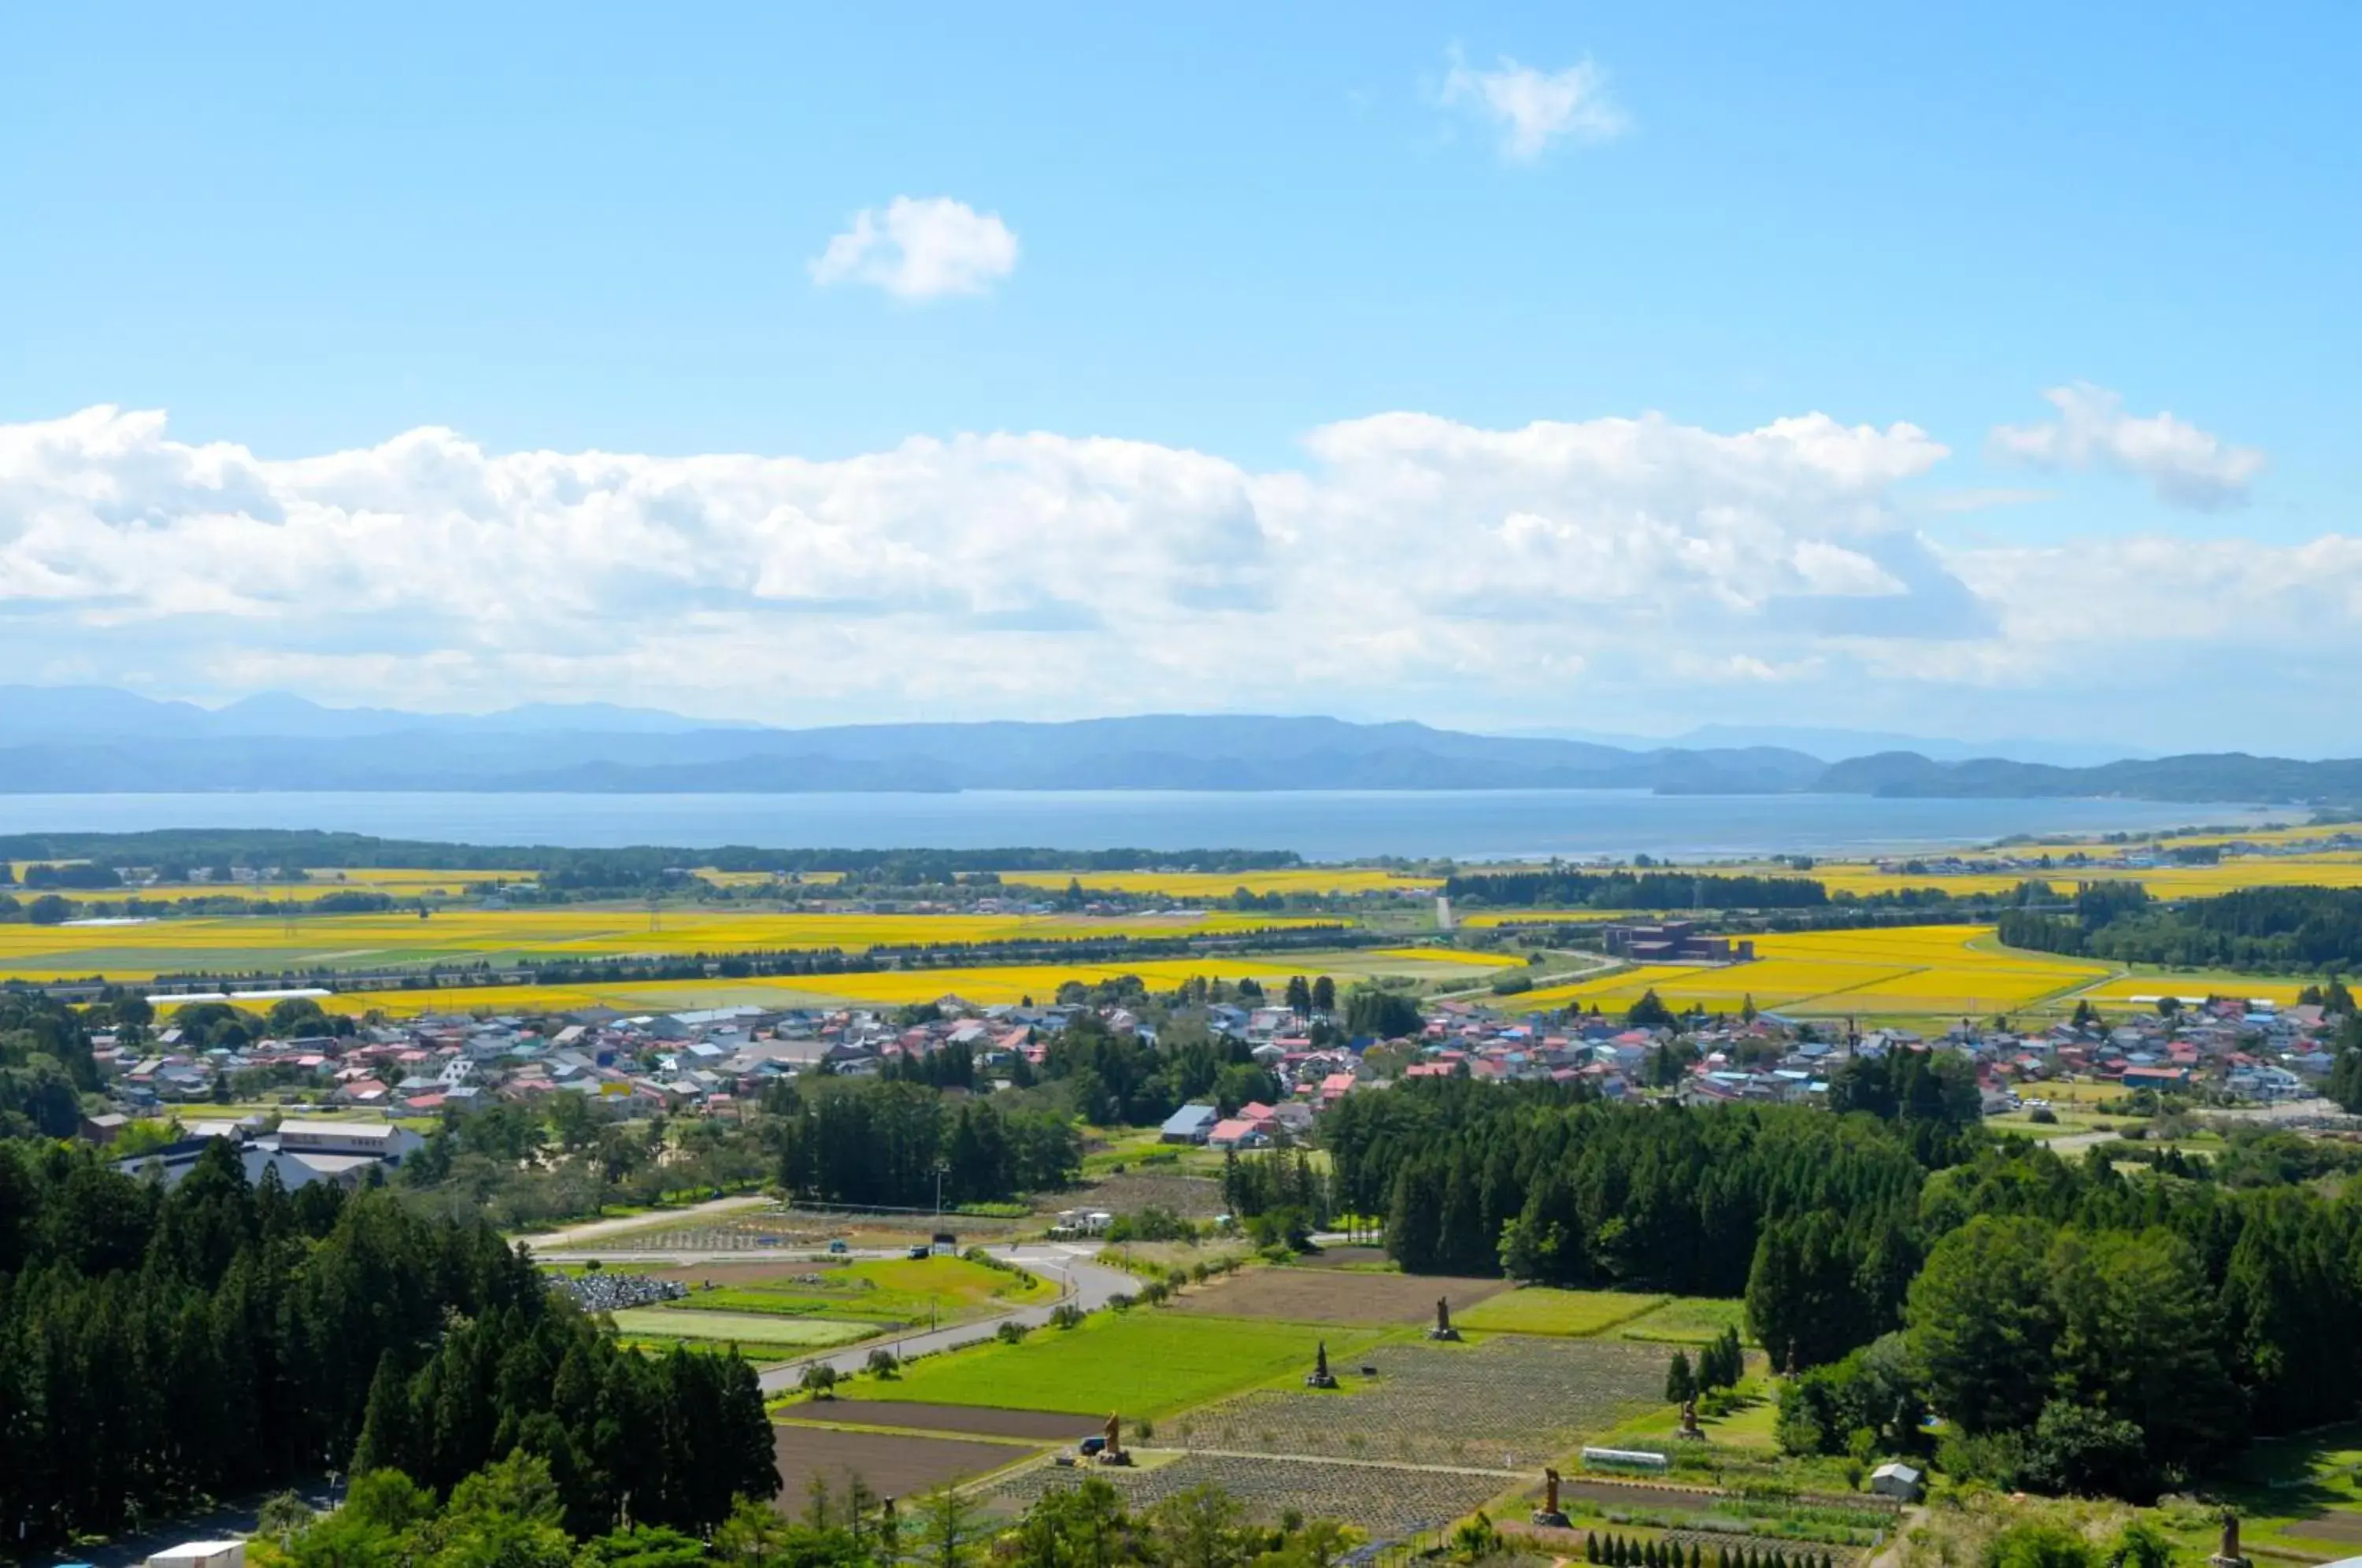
x: 98, y: 740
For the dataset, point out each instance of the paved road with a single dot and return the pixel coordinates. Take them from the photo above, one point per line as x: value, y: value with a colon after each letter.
x: 1085, y: 1284
x: 590, y: 1229
x: 230, y: 1521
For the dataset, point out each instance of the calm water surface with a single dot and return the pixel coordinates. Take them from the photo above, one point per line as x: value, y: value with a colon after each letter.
x: 1318, y: 824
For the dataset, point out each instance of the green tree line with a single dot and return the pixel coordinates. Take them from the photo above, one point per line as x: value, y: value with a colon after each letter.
x: 2309, y: 929
x: 1565, y: 887
x: 159, y: 1348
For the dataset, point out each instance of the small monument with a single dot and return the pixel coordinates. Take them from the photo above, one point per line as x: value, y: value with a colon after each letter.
x: 1320, y: 1376
x: 1550, y: 1514
x: 1114, y: 1453
x: 2227, y: 1554
x: 1690, y: 1427
x: 1443, y: 1328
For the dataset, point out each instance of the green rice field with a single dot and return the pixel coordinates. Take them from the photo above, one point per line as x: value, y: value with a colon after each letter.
x: 1141, y: 1362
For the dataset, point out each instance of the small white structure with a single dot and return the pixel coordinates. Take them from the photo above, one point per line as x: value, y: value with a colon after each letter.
x: 1626, y: 1459
x: 1895, y: 1479
x: 1443, y: 920
x: 201, y: 1554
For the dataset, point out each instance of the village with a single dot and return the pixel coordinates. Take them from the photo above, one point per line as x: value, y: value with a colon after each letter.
x: 383, y: 1080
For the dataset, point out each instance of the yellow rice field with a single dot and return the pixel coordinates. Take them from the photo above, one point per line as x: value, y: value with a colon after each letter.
x: 244, y: 943
x: 985, y: 987
x: 1951, y: 970
x: 2139, y: 991
x: 2326, y: 868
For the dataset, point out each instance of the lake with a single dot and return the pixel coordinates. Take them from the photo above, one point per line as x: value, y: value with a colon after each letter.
x: 1337, y: 824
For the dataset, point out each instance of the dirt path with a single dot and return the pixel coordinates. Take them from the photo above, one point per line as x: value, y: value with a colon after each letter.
x: 1887, y: 1555
x: 592, y: 1230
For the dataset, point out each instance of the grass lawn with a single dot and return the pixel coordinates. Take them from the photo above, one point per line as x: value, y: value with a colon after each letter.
x: 1688, y: 1319
x: 741, y: 1328
x: 1538, y: 1309
x: 1142, y: 1362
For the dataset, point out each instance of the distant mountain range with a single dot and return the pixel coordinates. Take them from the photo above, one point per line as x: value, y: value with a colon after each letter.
x: 57, y: 740
x: 1840, y: 745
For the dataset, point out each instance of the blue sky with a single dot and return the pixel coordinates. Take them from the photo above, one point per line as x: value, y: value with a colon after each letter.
x: 304, y: 231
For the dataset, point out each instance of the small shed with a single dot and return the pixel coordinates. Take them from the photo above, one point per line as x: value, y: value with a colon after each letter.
x: 1895, y: 1479
x: 201, y: 1554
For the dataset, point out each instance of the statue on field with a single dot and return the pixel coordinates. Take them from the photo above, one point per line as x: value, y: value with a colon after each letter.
x: 1689, y: 1419
x: 1443, y: 1328
x: 1550, y: 1514
x: 1112, y: 1452
x: 2227, y: 1555
x: 1320, y: 1376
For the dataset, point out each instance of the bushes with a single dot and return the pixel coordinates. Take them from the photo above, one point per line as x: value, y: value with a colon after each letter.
x: 1152, y: 1223
x: 1621, y: 1551
x: 882, y: 1365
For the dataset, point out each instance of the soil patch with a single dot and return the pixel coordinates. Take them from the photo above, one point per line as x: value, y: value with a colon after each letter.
x: 894, y: 1466
x: 1329, y: 1296
x: 987, y: 1420
x: 1343, y: 1257
x: 1506, y: 1402
x: 1129, y: 1192
x: 2329, y: 1527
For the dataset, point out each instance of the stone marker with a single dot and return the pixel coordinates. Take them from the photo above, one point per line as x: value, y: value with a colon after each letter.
x: 1443, y: 1328
x: 2227, y: 1555
x: 1320, y: 1376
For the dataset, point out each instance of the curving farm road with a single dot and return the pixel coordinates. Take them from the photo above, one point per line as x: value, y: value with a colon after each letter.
x: 1088, y: 1285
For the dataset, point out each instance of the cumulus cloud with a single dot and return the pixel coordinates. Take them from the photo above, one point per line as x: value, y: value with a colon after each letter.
x: 919, y: 248
x: 2186, y: 466
x: 1532, y: 108
x: 1411, y: 564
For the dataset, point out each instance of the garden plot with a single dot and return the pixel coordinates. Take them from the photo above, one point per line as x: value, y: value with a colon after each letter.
x: 980, y: 1420
x: 765, y: 1230
x: 1387, y: 1501
x: 1337, y: 1296
x: 889, y: 1463
x: 1509, y: 1398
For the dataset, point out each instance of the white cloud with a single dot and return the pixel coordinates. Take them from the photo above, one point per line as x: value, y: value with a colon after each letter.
x: 1413, y: 565
x: 2186, y: 466
x: 1534, y: 108
x: 919, y: 248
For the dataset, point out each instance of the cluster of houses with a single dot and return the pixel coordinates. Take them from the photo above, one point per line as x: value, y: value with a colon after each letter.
x: 715, y: 1060
x: 2231, y: 1048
